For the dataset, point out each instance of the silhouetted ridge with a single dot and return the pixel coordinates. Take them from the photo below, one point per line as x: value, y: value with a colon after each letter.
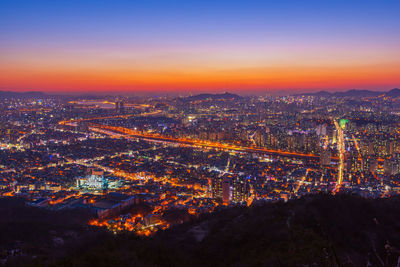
x: 318, y: 230
x: 355, y: 93
x: 227, y: 96
x: 394, y: 92
x: 9, y: 94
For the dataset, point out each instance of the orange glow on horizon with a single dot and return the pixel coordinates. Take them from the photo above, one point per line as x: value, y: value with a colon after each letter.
x: 45, y: 78
x: 199, y: 46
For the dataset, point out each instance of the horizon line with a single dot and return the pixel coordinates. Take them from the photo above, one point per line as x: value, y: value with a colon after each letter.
x: 247, y: 92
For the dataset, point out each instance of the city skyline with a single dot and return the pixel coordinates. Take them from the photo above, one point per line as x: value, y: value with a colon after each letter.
x: 199, y: 133
x: 181, y: 47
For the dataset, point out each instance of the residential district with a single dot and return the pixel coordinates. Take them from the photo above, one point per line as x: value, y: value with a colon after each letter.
x: 142, y: 164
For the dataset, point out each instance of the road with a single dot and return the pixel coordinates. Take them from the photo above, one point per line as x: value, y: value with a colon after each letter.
x: 341, y: 148
x: 119, y: 132
x: 129, y: 133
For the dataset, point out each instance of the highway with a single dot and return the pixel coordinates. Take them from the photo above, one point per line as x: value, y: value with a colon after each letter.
x: 341, y: 148
x: 129, y: 133
x: 118, y: 132
x: 126, y: 116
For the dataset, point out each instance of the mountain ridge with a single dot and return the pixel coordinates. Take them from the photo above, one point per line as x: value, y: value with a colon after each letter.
x: 205, y: 96
x: 395, y: 92
x: 5, y: 94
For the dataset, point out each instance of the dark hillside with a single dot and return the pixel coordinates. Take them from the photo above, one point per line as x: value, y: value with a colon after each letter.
x: 319, y: 230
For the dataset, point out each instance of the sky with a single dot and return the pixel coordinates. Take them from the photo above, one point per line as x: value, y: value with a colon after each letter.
x: 199, y: 46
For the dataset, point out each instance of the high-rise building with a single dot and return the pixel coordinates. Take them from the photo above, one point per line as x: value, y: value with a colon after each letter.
x: 221, y: 189
x: 240, y: 190
x: 354, y: 162
x: 325, y: 157
x: 121, y: 107
x: 117, y: 106
x: 216, y: 191
x: 226, y: 190
x: 370, y: 164
x: 391, y: 165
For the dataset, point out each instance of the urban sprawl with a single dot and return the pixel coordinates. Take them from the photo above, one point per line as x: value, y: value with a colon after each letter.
x: 145, y: 163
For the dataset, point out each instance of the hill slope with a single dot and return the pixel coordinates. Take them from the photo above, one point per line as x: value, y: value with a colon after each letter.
x: 319, y: 230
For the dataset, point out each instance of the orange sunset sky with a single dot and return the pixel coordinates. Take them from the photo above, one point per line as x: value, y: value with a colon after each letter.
x: 247, y: 47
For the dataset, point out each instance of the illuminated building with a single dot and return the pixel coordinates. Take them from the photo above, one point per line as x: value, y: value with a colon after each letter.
x: 391, y: 165
x: 370, y: 164
x: 226, y: 190
x: 325, y: 157
x: 217, y: 189
x: 119, y: 107
x: 95, y: 180
x: 221, y: 189
x: 354, y: 162
x: 240, y: 190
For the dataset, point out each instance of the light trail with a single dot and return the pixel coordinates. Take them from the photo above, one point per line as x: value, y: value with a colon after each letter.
x: 115, y: 131
x: 68, y: 122
x: 340, y: 146
x: 357, y: 146
x: 152, y: 113
x: 129, y: 133
x: 301, y: 181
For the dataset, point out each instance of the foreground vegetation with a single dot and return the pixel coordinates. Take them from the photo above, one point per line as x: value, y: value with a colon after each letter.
x: 319, y: 230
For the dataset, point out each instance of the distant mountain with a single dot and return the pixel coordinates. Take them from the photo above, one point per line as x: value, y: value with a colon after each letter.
x: 9, y: 94
x: 393, y: 93
x: 213, y: 96
x: 355, y: 93
x: 320, y: 93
